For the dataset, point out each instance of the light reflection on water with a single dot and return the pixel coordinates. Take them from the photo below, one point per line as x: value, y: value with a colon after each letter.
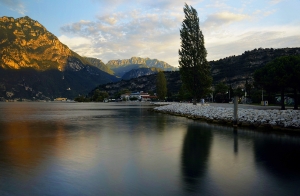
x: 122, y: 149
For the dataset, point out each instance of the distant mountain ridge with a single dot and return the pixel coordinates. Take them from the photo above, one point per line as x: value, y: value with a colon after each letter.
x: 99, y: 64
x: 120, y: 67
x: 134, y: 73
x: 143, y: 61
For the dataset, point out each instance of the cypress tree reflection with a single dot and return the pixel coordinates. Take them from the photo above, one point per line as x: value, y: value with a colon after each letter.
x: 161, y: 123
x: 195, y: 153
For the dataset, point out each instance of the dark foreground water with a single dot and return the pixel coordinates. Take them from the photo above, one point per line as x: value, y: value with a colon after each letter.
x: 122, y: 149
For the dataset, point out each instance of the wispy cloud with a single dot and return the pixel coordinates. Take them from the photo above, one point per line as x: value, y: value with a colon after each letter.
x: 261, y: 13
x: 224, y: 18
x: 75, y: 42
x: 218, y: 4
x: 14, y: 5
x: 275, y: 1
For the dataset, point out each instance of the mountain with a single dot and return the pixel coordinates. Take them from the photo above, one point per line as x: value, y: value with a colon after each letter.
x: 26, y: 43
x: 232, y: 70
x: 99, y: 64
x: 235, y: 70
x: 121, y: 71
x: 135, y: 73
x: 144, y: 83
x: 34, y: 63
x: 120, y: 67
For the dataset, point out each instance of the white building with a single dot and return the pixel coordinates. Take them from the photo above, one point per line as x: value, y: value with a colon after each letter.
x: 138, y: 95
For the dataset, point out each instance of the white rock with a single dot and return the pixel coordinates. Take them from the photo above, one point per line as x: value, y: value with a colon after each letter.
x: 273, y: 117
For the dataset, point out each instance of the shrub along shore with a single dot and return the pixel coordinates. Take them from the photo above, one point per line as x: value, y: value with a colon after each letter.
x: 274, y: 119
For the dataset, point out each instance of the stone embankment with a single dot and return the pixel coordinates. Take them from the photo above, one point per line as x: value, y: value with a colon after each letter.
x: 276, y: 119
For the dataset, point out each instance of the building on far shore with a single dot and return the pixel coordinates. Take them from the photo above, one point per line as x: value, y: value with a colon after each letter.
x: 141, y: 96
x: 148, y: 98
x: 60, y: 99
x: 125, y: 96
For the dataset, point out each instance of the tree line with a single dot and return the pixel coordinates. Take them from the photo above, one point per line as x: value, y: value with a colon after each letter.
x: 99, y: 96
x: 280, y: 75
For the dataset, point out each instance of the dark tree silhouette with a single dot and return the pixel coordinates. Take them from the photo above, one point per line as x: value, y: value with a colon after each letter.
x: 193, y: 66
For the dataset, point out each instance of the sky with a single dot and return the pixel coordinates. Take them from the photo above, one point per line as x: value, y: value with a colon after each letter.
x: 121, y: 29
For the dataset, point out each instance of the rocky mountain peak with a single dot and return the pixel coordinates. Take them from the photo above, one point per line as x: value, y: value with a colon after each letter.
x: 114, y: 64
x: 99, y: 64
x: 27, y: 43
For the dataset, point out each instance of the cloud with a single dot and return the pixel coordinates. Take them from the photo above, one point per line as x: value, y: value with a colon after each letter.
x: 14, y: 5
x: 110, y: 20
x: 260, y: 13
x: 154, y: 32
x: 218, y: 4
x: 224, y: 18
x: 128, y: 34
x: 275, y: 1
x: 75, y: 42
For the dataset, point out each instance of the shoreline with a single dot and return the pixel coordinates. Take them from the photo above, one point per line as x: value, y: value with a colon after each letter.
x: 272, y: 119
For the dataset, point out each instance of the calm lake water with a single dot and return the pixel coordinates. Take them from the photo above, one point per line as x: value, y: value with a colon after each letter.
x: 122, y: 149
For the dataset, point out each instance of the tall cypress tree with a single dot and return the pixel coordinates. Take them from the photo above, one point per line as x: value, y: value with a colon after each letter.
x: 193, y: 66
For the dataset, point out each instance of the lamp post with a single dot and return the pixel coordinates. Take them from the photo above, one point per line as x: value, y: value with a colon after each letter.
x: 245, y: 97
x: 228, y: 95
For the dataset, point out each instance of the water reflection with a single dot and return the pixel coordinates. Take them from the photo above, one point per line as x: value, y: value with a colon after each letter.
x: 24, y: 143
x: 235, y: 139
x: 195, y: 153
x: 278, y: 155
x: 161, y: 122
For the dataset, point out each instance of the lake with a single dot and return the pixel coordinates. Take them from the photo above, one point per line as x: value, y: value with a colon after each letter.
x: 122, y: 149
